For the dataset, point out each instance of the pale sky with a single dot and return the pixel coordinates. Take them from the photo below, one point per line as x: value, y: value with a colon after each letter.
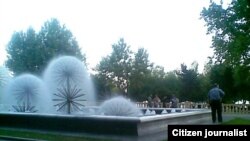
x: 170, y: 30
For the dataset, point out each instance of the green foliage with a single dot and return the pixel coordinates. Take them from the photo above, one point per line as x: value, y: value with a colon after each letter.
x: 30, y: 51
x: 141, y: 69
x: 141, y: 78
x: 57, y: 40
x: 223, y: 75
x: 158, y: 72
x: 190, y: 84
x: 157, y: 82
x: 116, y: 68
x: 24, y: 52
x: 242, y: 82
x: 172, y: 84
x: 204, y: 84
x: 230, y: 28
x: 102, y: 85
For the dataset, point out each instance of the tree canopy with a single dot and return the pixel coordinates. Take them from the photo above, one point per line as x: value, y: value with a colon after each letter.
x: 30, y: 51
x: 132, y: 73
x: 117, y: 66
x: 230, y: 29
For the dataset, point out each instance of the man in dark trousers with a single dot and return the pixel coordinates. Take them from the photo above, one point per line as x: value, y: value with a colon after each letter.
x: 215, y: 100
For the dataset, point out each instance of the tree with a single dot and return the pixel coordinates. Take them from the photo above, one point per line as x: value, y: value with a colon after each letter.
x: 31, y: 52
x: 158, y: 72
x: 223, y: 75
x: 24, y: 52
x: 57, y: 40
x: 190, y: 86
x: 242, y: 82
x: 230, y: 28
x: 141, y: 70
x: 116, y: 68
x: 102, y: 85
x: 172, y: 84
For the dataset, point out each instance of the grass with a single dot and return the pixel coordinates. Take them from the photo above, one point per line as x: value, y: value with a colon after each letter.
x: 44, y: 136
x: 237, y: 121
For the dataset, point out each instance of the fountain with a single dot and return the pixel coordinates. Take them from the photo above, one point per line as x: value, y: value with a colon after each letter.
x: 5, y: 76
x: 61, y: 103
x: 27, y: 93
x: 119, y: 106
x: 69, y: 84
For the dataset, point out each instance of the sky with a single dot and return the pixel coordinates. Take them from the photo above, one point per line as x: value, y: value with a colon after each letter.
x: 170, y: 30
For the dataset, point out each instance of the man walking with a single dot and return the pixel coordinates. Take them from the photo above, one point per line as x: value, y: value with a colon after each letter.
x: 215, y: 100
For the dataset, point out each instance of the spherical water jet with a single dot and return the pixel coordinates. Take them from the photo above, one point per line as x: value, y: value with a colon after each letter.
x: 119, y: 106
x: 27, y: 93
x: 5, y: 76
x: 69, y: 84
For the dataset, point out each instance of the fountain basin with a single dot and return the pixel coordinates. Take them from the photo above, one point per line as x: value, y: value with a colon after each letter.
x: 102, y: 125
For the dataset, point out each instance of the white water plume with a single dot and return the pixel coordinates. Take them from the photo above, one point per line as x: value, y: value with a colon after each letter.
x: 27, y: 93
x: 69, y: 84
x: 119, y: 106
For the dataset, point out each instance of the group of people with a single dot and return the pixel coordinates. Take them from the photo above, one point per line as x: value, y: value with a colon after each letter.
x: 155, y: 101
x: 215, y: 96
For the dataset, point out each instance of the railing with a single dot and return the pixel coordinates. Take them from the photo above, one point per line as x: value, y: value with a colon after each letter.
x: 226, y: 108
x: 186, y: 104
x: 142, y: 104
x: 236, y: 108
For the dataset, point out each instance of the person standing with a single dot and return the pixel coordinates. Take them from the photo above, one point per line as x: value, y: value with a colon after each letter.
x: 215, y: 96
x: 150, y: 101
x: 157, y: 101
x: 174, y: 102
x: 165, y: 102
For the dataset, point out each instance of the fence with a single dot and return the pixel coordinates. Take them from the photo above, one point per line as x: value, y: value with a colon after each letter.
x: 186, y: 104
x: 227, y: 108
x: 236, y: 108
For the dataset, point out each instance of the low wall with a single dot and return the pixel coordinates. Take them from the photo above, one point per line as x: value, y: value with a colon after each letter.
x: 70, y: 123
x: 142, y: 127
